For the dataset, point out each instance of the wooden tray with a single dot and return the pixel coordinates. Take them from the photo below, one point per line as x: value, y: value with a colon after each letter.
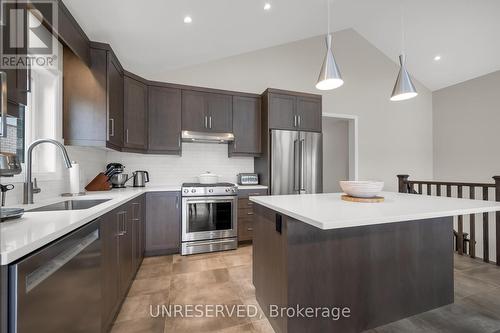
x: 346, y: 197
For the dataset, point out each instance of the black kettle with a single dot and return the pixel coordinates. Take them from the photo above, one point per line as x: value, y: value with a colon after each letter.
x: 140, y: 178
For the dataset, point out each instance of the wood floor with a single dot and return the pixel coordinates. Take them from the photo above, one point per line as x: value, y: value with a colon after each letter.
x: 225, y: 278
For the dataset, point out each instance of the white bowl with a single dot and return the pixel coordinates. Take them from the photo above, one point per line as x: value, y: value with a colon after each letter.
x: 362, y: 189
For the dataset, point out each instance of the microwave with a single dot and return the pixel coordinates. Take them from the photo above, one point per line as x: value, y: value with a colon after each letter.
x: 248, y: 179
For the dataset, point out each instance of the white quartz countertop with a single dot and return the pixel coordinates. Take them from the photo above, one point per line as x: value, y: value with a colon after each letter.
x: 22, y: 236
x: 328, y: 211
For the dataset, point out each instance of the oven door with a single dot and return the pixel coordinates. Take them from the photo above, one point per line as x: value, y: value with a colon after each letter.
x: 209, y: 218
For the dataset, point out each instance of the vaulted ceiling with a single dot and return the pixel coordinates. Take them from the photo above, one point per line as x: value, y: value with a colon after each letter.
x: 148, y: 35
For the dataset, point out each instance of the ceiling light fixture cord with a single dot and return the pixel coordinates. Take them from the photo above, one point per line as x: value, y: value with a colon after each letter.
x: 403, y: 27
x: 328, y: 20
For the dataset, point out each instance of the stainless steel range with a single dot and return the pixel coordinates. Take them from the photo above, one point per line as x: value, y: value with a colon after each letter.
x: 209, y: 217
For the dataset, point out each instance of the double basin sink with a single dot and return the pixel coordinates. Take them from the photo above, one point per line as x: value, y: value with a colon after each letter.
x: 69, y: 205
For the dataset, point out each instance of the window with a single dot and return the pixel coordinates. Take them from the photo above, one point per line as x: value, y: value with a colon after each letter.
x: 43, y: 116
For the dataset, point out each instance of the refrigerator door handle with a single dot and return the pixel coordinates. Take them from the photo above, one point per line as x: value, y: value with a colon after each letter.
x: 296, y: 166
x: 302, y: 166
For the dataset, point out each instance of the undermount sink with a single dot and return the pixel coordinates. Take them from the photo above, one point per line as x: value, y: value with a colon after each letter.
x: 69, y: 205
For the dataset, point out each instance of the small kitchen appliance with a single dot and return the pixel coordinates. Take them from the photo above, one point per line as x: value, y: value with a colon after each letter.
x: 9, y: 165
x: 114, y: 171
x: 248, y: 179
x: 118, y: 180
x: 209, y: 217
x: 140, y: 178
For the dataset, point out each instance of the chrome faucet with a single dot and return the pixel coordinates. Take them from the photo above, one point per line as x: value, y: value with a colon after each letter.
x: 29, y: 187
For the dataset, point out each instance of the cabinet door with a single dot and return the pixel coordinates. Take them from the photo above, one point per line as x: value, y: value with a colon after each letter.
x: 246, y: 126
x: 135, y: 113
x: 163, y: 222
x: 110, y: 268
x: 137, y: 233
x: 194, y: 111
x: 115, y: 103
x: 125, y: 247
x: 219, y: 112
x: 164, y: 118
x: 17, y: 78
x: 282, y: 111
x: 309, y: 114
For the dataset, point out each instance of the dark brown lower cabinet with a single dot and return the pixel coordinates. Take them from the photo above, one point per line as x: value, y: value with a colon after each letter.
x: 110, y: 281
x: 122, y: 253
x: 246, y: 213
x: 163, y: 223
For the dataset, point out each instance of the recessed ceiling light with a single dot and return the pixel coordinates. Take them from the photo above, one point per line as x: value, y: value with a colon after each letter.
x: 267, y: 6
x: 437, y: 58
x: 188, y: 19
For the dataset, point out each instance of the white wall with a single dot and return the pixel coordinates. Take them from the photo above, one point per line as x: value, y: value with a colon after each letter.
x: 393, y: 137
x: 335, y: 153
x: 466, y: 137
x: 197, y: 158
x: 466, y: 130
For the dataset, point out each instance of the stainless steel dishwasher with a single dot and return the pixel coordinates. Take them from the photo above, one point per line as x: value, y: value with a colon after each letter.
x: 58, y: 288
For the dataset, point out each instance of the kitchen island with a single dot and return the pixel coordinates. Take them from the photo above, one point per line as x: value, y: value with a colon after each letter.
x: 321, y: 264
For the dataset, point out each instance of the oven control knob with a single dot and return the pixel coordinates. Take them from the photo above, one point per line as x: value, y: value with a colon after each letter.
x: 186, y: 191
x: 193, y: 191
x: 234, y: 190
x: 210, y: 190
x: 227, y: 190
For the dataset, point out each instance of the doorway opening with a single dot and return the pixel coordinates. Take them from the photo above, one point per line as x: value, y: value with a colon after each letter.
x: 340, y: 150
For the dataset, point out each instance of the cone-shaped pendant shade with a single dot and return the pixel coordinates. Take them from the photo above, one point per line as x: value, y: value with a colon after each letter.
x: 404, y: 88
x: 329, y: 76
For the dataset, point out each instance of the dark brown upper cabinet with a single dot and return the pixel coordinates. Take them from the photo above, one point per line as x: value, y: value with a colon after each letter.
x: 220, y: 112
x: 135, y: 113
x: 93, y: 99
x: 293, y: 111
x: 206, y: 112
x: 16, y: 78
x: 246, y: 126
x: 115, y: 96
x: 17, y: 85
x: 164, y: 118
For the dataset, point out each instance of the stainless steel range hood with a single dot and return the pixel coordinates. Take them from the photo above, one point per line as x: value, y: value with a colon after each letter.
x: 203, y: 137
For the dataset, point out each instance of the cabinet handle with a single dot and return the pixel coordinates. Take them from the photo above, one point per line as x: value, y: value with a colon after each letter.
x: 249, y: 229
x: 180, y: 140
x: 299, y: 120
x: 126, y: 135
x: 294, y: 120
x: 3, y: 105
x: 206, y: 122
x: 250, y: 213
x: 210, y: 122
x: 112, y: 127
x: 250, y: 204
x: 177, y: 202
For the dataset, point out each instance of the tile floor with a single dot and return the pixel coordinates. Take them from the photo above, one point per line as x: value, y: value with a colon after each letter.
x: 214, y: 278
x: 225, y: 278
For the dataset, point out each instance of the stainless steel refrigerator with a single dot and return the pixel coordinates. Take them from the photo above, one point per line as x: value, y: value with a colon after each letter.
x: 296, y: 162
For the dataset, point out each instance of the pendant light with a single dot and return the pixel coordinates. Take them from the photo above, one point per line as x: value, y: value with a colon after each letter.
x: 329, y: 76
x: 404, y: 88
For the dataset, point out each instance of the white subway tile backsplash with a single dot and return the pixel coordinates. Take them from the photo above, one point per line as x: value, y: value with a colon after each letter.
x: 197, y: 158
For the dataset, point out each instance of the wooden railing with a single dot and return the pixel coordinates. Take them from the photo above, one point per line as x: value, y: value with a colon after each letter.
x: 418, y: 186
